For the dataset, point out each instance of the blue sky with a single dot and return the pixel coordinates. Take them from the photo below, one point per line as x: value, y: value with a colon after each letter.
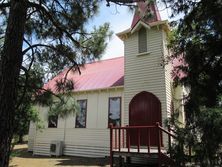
x: 120, y: 19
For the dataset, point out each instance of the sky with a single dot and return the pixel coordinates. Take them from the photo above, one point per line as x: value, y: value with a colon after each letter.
x: 120, y: 19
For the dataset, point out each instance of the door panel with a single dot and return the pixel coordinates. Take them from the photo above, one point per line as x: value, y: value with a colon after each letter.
x: 144, y: 110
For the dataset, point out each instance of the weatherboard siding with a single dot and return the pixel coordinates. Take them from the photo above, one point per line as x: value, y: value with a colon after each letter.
x: 87, y: 142
x: 168, y: 71
x: 31, y: 136
x: 145, y: 72
x: 92, y: 141
x: 179, y: 94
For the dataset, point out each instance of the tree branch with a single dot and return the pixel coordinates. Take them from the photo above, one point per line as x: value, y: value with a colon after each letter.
x: 24, y: 89
x: 54, y: 22
x: 70, y: 68
x: 4, y: 5
x: 124, y: 2
x: 26, y: 75
x: 49, y: 91
x: 36, y: 45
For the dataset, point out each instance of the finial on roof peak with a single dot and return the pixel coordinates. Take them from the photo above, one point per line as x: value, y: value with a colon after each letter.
x: 147, y: 12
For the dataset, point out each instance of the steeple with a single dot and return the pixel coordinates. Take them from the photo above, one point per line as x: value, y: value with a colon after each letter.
x: 142, y: 10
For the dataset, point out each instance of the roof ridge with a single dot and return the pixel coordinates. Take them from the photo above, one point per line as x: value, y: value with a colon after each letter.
x: 97, y: 61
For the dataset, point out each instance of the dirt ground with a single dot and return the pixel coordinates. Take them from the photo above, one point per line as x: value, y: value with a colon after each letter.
x: 22, y: 158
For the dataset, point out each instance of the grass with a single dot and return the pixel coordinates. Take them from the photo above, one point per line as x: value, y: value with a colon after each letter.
x: 20, y: 157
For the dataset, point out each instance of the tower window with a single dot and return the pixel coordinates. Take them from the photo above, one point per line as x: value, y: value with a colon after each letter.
x: 142, y: 40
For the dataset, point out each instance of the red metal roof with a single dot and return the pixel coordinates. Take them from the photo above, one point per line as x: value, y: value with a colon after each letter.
x: 96, y: 75
x: 103, y: 74
x: 143, y: 8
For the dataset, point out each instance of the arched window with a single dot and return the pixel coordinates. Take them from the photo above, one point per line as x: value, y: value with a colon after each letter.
x: 142, y: 40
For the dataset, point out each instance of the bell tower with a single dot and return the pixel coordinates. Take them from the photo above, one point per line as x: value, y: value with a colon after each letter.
x: 145, y: 71
x: 148, y: 13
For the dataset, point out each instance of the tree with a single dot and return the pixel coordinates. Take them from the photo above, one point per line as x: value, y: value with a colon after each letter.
x: 198, y: 39
x: 51, y: 34
x: 25, y: 112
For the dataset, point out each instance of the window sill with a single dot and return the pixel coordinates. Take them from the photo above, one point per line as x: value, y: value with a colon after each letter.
x: 144, y: 53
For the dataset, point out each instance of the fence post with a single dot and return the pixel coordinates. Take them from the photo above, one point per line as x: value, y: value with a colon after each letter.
x: 119, y: 142
x: 148, y: 144
x: 128, y: 138
x: 158, y: 143
x: 169, y: 140
x: 190, y: 152
x: 138, y: 138
x: 111, y: 144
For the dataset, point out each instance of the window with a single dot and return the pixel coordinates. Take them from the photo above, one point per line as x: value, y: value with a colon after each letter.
x: 142, y: 40
x: 52, y: 121
x: 115, y: 111
x: 81, y: 114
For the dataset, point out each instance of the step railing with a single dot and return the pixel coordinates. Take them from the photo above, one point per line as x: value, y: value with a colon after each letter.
x: 120, y: 139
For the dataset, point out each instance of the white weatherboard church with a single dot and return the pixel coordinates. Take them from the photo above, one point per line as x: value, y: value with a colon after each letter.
x: 132, y: 90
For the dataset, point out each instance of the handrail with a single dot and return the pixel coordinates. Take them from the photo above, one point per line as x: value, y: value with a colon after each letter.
x: 189, y: 146
x: 171, y: 129
x: 130, y: 127
x: 120, y: 137
x: 167, y: 132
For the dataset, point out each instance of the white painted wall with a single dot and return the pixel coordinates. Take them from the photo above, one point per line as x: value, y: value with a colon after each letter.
x: 146, y: 72
x: 142, y: 73
x: 92, y: 141
x: 179, y: 101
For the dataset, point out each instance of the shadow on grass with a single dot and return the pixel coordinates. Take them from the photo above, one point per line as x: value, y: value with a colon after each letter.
x: 63, y: 160
x: 76, y: 161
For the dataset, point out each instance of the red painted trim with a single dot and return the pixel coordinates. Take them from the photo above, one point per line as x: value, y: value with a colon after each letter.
x: 148, y: 143
x: 123, y: 138
x: 127, y: 138
x: 117, y: 141
x: 111, y: 145
x: 119, y: 135
x: 145, y: 110
x: 138, y: 139
x: 159, y: 142
x: 133, y: 127
x: 115, y: 138
x: 169, y: 141
x: 161, y: 128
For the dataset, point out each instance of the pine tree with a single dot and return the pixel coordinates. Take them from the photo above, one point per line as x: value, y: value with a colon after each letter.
x: 51, y: 34
x: 198, y: 39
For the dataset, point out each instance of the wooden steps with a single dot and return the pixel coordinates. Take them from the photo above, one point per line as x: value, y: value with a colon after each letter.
x: 152, y: 154
x: 153, y: 160
x: 166, y: 160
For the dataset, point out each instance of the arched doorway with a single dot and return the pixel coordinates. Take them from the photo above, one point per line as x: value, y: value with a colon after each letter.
x: 144, y: 110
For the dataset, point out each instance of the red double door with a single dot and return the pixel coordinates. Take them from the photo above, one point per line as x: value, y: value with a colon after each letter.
x: 144, y: 110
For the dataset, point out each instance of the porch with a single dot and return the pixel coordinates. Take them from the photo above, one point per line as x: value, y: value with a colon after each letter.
x: 140, y: 144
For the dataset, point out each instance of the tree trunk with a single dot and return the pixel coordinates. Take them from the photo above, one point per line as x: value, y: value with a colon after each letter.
x: 20, y: 140
x: 11, y: 60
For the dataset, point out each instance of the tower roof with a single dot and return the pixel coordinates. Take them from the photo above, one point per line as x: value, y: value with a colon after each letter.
x: 142, y: 10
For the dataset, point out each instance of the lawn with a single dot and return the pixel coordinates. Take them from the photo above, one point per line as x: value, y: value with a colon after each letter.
x: 22, y: 158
